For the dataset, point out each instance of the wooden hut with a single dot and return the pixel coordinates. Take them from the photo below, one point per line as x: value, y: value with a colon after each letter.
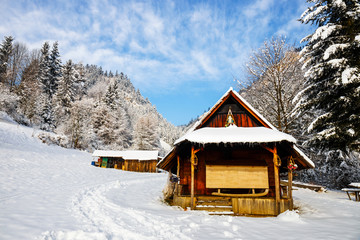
x: 136, y: 161
x: 231, y: 160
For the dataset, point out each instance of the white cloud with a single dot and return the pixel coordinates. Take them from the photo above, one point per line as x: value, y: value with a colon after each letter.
x: 204, y: 61
x: 258, y: 7
x: 155, y: 44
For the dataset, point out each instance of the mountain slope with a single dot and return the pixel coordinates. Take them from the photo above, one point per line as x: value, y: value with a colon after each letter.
x: 49, y: 192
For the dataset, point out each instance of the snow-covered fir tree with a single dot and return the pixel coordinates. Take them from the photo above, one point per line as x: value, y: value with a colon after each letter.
x: 122, y: 130
x: 146, y: 134
x: 64, y: 103
x: 112, y: 96
x: 65, y: 94
x: 55, y: 69
x: 5, y: 52
x: 47, y: 114
x: 79, y: 84
x: 44, y: 69
x: 331, y: 58
x: 104, y: 121
x: 79, y: 125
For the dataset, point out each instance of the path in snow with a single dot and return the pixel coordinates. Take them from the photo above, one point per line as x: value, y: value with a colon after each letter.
x: 48, y: 192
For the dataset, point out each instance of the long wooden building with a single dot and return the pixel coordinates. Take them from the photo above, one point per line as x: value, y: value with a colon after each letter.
x: 131, y: 160
x: 233, y: 157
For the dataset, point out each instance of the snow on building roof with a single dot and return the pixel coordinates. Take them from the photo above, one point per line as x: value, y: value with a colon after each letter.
x: 235, y: 135
x: 302, y: 154
x: 201, y: 135
x: 141, y: 155
x: 199, y: 122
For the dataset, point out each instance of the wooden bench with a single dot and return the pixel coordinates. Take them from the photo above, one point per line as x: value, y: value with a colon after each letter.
x: 356, y: 191
x: 316, y: 188
x: 355, y: 185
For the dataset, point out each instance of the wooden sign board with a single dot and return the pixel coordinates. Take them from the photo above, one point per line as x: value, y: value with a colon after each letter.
x: 227, y: 176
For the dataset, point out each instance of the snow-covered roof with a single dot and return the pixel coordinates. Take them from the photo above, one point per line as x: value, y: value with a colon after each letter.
x: 199, y: 122
x: 235, y: 135
x: 302, y: 154
x: 141, y: 155
x: 197, y: 136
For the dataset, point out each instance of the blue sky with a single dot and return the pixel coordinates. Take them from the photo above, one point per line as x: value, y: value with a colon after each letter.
x: 182, y: 55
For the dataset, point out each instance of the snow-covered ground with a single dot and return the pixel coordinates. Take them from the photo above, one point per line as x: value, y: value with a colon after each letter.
x: 48, y: 192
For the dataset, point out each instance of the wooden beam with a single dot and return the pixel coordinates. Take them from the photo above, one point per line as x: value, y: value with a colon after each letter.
x: 277, y: 181
x: 213, y: 111
x: 192, y: 204
x: 254, y: 195
x: 169, y: 161
x: 197, y: 150
x: 178, y: 176
x: 250, y: 111
x: 178, y: 166
x: 267, y: 148
x: 290, y: 178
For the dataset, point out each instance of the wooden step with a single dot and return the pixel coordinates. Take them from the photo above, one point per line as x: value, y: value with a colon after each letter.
x: 222, y: 213
x: 212, y: 198
x: 220, y: 209
x: 215, y: 203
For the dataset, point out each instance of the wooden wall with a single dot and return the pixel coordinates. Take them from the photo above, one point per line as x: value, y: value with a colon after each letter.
x: 140, y: 166
x: 244, y: 206
x: 258, y: 206
x: 132, y: 165
x: 241, y: 120
x: 241, y: 116
x: 224, y: 156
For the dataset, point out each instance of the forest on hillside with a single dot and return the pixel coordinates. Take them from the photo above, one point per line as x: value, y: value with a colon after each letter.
x: 86, y: 107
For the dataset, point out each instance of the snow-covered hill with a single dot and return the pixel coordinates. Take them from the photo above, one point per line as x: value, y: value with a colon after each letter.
x: 48, y: 192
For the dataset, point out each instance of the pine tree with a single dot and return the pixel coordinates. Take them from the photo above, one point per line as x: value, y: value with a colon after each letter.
x: 65, y: 93
x: 103, y: 124
x: 122, y: 130
x: 5, y: 52
x: 79, y: 84
x: 44, y: 69
x: 145, y: 135
x: 47, y: 118
x: 55, y: 69
x: 78, y: 125
x: 112, y: 96
x: 331, y: 57
x: 47, y: 114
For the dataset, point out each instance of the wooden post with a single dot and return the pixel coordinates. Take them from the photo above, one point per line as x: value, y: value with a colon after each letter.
x: 178, y: 167
x: 277, y: 181
x: 178, y: 176
x: 192, y: 204
x: 290, y: 177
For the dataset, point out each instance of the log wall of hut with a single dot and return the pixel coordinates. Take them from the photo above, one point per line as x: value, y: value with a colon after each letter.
x: 132, y: 165
x: 241, y: 116
x: 225, y: 156
x: 140, y: 166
